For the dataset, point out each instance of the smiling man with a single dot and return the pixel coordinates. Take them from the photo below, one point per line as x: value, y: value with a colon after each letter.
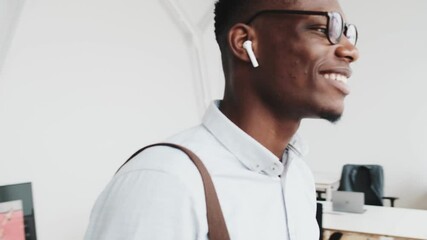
x: 283, y: 61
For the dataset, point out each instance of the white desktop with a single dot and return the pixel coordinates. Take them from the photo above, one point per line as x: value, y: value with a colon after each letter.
x: 376, y: 223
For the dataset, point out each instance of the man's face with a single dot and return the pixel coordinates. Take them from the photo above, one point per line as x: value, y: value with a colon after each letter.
x: 301, y: 73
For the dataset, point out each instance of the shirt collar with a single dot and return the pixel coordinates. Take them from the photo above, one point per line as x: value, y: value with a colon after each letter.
x: 298, y: 146
x: 245, y: 148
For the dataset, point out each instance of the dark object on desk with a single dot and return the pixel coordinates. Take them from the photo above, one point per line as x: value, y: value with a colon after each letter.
x: 368, y: 179
x: 336, y: 236
x: 22, y: 192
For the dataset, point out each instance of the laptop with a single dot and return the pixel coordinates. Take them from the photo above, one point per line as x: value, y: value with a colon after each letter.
x: 348, y: 201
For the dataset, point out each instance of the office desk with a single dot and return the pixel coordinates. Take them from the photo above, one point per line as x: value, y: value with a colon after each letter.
x: 399, y: 223
x: 326, y: 182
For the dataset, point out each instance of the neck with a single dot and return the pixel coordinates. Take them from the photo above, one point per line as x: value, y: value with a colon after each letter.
x: 272, y: 132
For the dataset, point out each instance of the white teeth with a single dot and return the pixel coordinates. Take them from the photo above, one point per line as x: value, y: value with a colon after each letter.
x: 336, y: 77
x: 344, y: 79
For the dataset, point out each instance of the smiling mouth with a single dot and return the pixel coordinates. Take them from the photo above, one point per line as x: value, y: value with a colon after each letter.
x: 336, y: 76
x: 338, y: 79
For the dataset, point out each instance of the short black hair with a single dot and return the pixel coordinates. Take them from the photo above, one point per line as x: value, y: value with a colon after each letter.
x: 227, y: 12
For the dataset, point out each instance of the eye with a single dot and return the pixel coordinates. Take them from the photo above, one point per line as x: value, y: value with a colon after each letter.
x: 321, y: 29
x: 318, y: 27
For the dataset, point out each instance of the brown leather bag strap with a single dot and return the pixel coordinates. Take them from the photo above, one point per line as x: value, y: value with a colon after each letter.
x: 217, y: 229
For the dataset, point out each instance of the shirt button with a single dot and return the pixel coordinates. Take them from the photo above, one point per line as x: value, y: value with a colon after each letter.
x: 275, y: 167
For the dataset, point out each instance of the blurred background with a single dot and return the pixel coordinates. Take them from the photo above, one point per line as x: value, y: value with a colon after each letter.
x: 85, y: 83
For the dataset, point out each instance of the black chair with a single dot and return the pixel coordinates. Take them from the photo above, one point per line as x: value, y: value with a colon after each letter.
x: 368, y: 179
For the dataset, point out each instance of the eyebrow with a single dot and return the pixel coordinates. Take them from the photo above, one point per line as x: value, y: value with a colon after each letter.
x: 285, y: 11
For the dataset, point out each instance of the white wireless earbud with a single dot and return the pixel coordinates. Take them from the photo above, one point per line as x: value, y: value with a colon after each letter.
x: 247, y: 45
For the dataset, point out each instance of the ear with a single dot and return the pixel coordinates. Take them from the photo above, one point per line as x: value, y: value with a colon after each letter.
x: 237, y: 35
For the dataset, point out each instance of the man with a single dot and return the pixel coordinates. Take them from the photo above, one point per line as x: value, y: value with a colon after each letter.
x: 247, y: 141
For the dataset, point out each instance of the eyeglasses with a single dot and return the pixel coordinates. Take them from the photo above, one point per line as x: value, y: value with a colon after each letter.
x: 335, y: 27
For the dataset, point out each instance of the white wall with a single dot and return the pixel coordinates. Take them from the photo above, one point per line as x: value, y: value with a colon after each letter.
x: 86, y: 83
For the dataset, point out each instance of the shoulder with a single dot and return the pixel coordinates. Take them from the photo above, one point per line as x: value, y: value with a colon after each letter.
x: 158, y: 188
x: 167, y: 161
x: 157, y: 157
x: 162, y: 161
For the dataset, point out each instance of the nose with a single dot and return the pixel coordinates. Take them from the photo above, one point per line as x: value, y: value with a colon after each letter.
x: 347, y: 51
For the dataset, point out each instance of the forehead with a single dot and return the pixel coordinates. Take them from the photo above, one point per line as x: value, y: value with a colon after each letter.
x: 309, y: 5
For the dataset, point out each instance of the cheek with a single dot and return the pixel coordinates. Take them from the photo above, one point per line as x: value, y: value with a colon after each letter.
x: 298, y: 72
x: 299, y: 60
x: 298, y: 68
x: 287, y: 61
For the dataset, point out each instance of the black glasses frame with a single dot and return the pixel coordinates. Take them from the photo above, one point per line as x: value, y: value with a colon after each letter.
x: 328, y: 15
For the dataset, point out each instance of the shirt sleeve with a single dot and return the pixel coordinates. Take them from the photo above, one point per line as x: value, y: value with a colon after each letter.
x: 144, y: 204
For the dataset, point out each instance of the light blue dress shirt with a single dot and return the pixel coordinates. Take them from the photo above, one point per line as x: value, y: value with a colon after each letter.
x: 159, y: 195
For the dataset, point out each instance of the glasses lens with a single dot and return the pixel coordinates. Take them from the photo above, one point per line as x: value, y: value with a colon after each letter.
x: 335, y: 27
x: 351, y: 33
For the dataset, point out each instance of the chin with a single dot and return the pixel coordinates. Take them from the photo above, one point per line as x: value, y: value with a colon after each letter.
x: 331, y: 116
x: 332, y: 112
